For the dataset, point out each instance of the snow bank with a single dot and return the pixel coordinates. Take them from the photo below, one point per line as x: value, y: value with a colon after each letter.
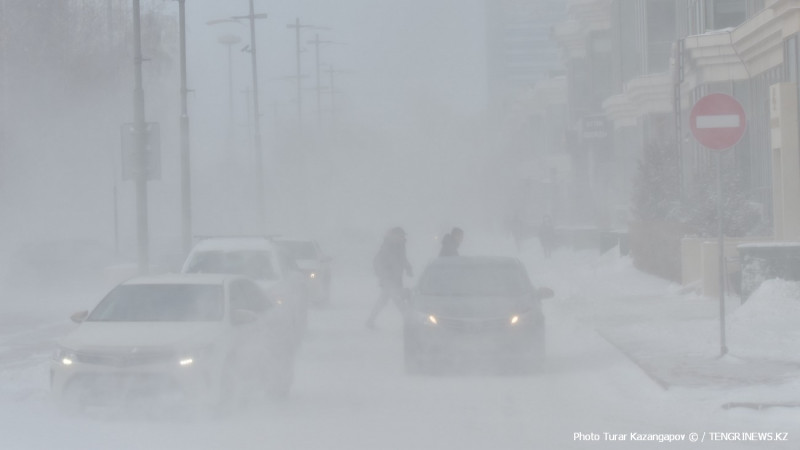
x: 766, y: 326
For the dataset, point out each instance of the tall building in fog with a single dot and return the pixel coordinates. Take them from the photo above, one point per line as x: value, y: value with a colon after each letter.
x: 520, y: 49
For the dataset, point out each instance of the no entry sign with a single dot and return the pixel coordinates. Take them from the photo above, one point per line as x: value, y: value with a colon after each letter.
x: 717, y: 121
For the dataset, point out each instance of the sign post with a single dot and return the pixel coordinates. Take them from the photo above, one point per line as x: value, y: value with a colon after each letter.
x: 718, y: 123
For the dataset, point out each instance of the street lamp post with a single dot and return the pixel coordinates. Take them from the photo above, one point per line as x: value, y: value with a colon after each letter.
x: 139, y: 133
x: 115, y: 193
x: 186, y: 184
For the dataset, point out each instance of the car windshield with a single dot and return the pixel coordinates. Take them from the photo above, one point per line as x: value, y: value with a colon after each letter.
x: 474, y: 280
x: 256, y: 264
x: 299, y: 249
x: 161, y: 303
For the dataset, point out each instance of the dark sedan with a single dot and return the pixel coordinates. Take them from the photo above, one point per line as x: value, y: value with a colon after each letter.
x: 478, y: 308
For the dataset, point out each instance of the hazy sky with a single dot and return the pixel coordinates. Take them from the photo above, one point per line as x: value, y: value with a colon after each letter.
x: 397, y: 53
x: 413, y: 67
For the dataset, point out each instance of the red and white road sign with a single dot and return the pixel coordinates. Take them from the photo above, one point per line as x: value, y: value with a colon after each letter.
x: 717, y: 121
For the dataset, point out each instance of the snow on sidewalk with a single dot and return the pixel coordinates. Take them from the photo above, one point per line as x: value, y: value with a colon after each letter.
x: 675, y: 337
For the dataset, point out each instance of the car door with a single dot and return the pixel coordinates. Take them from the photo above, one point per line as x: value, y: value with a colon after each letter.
x: 275, y: 327
x: 247, y: 338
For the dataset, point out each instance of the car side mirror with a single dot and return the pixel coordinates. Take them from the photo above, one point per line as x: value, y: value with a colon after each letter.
x: 79, y: 316
x: 543, y: 293
x: 242, y: 317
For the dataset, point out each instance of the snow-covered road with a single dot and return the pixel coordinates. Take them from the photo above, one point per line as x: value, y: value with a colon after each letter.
x: 351, y: 392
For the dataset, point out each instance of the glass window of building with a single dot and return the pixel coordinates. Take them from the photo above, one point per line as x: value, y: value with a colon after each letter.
x: 661, y: 31
x: 722, y: 14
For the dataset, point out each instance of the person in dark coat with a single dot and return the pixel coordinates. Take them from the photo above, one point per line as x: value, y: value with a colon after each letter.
x: 547, y: 236
x: 451, y: 241
x: 390, y: 263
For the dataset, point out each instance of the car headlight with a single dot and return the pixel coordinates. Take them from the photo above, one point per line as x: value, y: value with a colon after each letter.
x: 525, y: 318
x: 65, y: 356
x: 312, y: 275
x: 420, y: 317
x: 193, y: 357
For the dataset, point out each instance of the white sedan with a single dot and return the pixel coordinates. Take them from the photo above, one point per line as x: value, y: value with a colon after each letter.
x: 195, y: 339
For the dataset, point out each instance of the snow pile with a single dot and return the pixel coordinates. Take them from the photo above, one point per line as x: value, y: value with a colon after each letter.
x: 766, y: 326
x: 595, y: 276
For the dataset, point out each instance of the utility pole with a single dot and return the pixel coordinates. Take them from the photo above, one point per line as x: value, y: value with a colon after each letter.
x: 141, y: 158
x: 229, y: 40
x: 317, y: 42
x: 260, y: 206
x: 298, y: 51
x: 3, y: 92
x: 248, y: 99
x: 332, y: 80
x: 331, y: 73
x: 186, y: 183
x: 115, y: 193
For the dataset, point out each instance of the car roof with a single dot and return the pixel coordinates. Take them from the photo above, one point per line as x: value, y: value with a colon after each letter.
x: 182, y: 278
x: 292, y: 239
x: 233, y: 244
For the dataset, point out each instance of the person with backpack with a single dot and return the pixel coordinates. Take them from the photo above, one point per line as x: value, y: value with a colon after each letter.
x: 390, y: 264
x: 547, y: 236
x: 451, y: 241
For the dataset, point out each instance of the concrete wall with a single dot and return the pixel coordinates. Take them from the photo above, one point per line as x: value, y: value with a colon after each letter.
x: 785, y: 161
x: 700, y: 261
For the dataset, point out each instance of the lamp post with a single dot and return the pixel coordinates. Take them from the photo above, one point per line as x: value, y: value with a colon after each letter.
x: 186, y: 184
x: 115, y: 193
x: 139, y: 133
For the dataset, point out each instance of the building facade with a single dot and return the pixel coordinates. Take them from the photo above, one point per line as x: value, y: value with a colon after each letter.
x: 520, y: 52
x: 641, y: 65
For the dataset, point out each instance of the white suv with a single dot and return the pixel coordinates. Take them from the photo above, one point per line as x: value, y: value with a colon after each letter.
x: 259, y: 259
x: 310, y: 259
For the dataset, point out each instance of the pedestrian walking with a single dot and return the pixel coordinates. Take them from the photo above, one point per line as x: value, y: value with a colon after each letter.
x: 451, y: 241
x: 390, y: 264
x: 547, y: 236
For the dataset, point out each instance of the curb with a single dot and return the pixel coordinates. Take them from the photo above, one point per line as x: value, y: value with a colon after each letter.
x: 759, y: 406
x: 661, y: 383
